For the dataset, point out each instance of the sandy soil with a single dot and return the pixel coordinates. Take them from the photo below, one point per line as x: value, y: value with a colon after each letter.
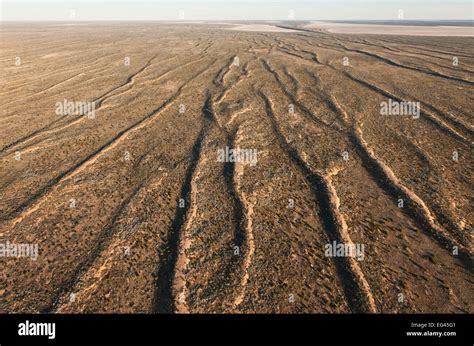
x: 346, y: 28
x: 133, y: 210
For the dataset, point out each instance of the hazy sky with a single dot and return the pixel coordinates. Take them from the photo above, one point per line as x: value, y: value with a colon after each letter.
x: 79, y: 10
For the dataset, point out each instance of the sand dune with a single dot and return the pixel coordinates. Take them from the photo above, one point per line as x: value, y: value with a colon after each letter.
x: 220, y: 173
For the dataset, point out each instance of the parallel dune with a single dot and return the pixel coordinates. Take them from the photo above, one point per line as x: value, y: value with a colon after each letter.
x: 133, y: 211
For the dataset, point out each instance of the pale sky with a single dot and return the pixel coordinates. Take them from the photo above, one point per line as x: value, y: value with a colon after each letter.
x: 123, y: 10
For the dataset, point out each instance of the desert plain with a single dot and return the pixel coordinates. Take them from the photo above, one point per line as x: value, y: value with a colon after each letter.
x: 217, y: 168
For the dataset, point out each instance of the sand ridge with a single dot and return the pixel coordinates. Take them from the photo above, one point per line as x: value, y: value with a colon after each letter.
x: 133, y: 211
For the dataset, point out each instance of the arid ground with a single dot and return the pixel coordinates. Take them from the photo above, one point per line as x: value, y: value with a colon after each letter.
x: 133, y: 208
